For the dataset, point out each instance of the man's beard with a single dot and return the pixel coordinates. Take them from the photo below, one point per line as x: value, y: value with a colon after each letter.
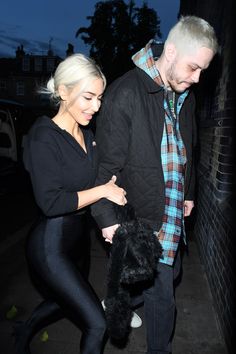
x: 171, y: 72
x: 173, y: 80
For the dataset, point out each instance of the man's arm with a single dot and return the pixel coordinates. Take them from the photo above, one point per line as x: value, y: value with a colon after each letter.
x: 189, y: 203
x: 112, y: 139
x: 190, y: 193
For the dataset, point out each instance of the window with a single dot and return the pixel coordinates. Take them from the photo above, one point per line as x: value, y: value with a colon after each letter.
x: 26, y: 64
x: 50, y: 65
x: 20, y: 88
x: 3, y: 84
x: 38, y: 64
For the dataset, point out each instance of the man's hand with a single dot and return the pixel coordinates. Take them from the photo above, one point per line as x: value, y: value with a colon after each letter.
x: 108, y: 232
x: 188, y: 206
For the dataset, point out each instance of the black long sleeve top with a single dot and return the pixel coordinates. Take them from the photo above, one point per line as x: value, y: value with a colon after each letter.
x: 58, y: 166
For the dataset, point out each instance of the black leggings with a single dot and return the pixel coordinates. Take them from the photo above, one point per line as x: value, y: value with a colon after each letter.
x: 58, y: 258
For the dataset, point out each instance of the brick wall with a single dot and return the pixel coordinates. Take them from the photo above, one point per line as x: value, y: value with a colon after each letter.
x: 214, y: 216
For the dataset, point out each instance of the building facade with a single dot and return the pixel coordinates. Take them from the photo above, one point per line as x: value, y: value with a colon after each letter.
x: 215, y: 203
x: 20, y: 77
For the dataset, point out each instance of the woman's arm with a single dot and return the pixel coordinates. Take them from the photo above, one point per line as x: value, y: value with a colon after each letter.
x: 44, y: 165
x: 109, y: 191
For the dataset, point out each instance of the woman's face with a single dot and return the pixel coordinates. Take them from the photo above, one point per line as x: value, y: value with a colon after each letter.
x: 81, y: 106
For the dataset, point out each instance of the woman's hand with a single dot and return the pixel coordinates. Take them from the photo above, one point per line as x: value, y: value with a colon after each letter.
x: 114, y: 193
x: 108, y: 190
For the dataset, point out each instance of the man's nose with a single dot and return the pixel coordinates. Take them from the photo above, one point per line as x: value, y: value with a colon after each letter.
x: 196, y: 75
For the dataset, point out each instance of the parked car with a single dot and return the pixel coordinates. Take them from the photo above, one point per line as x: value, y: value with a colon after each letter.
x: 15, y: 121
x: 9, y: 115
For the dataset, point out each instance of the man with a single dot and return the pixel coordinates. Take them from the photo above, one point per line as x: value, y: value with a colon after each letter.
x: 145, y: 136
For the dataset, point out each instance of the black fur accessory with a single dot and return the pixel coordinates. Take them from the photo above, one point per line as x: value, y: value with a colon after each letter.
x: 133, y: 260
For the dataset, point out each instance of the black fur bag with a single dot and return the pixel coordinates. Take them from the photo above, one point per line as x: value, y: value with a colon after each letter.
x: 133, y: 259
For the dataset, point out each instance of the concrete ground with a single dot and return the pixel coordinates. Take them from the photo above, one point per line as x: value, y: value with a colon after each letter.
x: 196, y: 331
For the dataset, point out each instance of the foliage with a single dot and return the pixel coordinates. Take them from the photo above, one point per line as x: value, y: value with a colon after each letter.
x: 118, y: 30
x: 12, y: 312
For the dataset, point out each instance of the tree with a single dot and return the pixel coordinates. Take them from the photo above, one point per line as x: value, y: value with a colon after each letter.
x: 116, y: 32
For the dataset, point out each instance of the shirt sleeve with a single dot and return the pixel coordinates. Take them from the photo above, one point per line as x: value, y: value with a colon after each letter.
x: 44, y: 167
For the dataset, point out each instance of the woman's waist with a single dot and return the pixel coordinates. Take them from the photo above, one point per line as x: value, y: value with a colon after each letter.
x: 61, y: 234
x: 75, y: 214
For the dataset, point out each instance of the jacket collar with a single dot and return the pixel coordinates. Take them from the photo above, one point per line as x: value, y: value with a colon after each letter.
x: 149, y: 85
x: 145, y: 59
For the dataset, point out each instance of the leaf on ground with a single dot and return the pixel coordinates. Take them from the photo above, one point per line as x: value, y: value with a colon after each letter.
x: 44, y: 336
x: 11, y: 313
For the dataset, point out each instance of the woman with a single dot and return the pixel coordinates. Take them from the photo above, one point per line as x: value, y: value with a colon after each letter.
x: 60, y: 156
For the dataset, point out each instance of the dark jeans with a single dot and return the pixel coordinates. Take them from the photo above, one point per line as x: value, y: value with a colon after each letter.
x: 159, y: 307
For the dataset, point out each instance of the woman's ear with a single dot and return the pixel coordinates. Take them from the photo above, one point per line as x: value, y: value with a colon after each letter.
x: 63, y: 92
x: 170, y: 52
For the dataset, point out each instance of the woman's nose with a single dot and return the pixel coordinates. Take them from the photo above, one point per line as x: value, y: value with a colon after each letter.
x: 96, y: 105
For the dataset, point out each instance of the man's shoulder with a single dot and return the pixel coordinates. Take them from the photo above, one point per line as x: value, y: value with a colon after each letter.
x: 129, y: 79
x: 125, y: 77
x: 126, y: 86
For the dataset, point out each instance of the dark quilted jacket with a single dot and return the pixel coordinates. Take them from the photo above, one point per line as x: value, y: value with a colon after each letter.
x: 128, y: 136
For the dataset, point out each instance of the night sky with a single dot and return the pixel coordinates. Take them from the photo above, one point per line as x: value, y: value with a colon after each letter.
x: 36, y: 23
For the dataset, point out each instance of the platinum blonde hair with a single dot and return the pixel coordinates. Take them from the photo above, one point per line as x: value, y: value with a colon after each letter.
x: 75, y: 69
x: 191, y: 33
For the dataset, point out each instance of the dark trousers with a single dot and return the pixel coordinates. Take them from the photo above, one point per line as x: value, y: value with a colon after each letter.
x: 160, y: 308
x: 58, y: 257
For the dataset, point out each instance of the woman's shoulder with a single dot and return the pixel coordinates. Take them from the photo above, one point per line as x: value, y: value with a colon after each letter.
x: 43, y: 129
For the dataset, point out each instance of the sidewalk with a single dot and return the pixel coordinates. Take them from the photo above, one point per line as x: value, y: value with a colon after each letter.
x: 196, y: 328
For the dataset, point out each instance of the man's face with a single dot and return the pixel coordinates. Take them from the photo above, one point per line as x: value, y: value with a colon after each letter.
x: 185, y: 69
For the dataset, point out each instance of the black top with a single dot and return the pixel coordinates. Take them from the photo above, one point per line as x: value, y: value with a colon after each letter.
x: 58, y: 166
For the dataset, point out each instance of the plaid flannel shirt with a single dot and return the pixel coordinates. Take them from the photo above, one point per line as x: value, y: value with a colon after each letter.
x: 173, y: 156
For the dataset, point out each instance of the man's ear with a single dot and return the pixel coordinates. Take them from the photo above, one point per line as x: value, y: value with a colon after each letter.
x: 63, y: 92
x: 170, y: 52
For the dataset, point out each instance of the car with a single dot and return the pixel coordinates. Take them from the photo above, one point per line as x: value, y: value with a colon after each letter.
x: 15, y: 121
x: 17, y: 203
x: 10, y: 113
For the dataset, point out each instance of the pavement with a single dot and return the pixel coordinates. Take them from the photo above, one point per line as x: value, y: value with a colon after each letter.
x: 197, y: 330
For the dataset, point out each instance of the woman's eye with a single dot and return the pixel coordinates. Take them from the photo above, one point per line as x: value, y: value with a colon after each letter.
x: 88, y: 98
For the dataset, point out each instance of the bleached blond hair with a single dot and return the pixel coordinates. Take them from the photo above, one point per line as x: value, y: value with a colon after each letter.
x: 75, y: 69
x: 191, y: 33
